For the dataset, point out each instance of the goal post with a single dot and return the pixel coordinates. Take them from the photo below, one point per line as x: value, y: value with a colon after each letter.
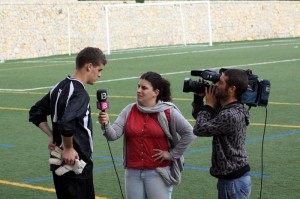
x: 1, y: 59
x: 134, y: 26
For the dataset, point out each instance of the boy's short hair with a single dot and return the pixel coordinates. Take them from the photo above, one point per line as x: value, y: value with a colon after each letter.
x: 90, y: 55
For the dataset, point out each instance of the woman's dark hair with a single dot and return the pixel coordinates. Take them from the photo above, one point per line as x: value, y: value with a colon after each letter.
x: 239, y: 79
x: 159, y: 83
x: 90, y: 55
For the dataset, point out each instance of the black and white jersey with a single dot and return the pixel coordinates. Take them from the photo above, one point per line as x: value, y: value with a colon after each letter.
x: 68, y: 105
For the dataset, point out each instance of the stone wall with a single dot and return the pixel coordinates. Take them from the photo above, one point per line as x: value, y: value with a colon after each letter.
x: 33, y: 29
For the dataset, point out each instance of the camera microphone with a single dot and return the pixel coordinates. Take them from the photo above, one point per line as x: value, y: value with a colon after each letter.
x: 102, y: 103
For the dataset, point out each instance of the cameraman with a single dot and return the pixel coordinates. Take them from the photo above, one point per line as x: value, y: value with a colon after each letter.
x: 225, y: 119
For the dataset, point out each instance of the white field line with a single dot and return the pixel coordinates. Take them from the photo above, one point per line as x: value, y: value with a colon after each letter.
x: 163, y: 74
x: 169, y: 54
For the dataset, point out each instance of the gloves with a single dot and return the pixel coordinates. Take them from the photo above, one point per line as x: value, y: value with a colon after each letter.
x: 56, y: 153
x: 77, y: 167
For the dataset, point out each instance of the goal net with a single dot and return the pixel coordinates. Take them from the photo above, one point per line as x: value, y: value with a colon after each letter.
x: 132, y: 26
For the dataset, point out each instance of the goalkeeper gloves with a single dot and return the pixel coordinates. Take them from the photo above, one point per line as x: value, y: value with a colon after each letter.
x: 77, y: 167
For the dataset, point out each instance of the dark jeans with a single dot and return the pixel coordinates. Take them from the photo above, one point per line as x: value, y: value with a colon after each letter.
x: 72, y: 186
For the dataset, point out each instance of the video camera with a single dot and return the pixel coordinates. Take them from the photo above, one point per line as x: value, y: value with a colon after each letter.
x: 257, y: 93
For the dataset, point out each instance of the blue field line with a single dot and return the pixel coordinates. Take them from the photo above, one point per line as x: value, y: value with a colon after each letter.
x: 36, y: 180
x: 50, y: 177
x: 107, y: 157
x: 197, y: 150
x: 248, y: 141
x: 186, y: 166
x: 259, y: 175
x: 7, y: 145
x: 106, y: 166
x: 196, y: 168
x: 274, y: 136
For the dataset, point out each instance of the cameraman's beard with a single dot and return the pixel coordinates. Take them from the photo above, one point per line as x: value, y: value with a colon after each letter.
x: 222, y: 95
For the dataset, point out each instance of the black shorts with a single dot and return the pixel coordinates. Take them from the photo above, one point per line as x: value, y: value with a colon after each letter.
x: 72, y: 186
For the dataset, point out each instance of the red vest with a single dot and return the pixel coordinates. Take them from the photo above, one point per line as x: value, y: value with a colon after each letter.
x: 143, y: 134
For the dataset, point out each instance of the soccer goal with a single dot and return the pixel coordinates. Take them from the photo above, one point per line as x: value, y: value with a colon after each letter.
x: 134, y: 26
x: 1, y: 59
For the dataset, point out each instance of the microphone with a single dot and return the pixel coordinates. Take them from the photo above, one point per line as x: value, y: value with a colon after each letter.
x: 102, y: 103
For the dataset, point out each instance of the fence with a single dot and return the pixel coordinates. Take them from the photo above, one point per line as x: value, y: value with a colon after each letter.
x: 35, y: 30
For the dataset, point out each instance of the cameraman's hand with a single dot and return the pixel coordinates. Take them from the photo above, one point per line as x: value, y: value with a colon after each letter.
x: 210, y: 97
